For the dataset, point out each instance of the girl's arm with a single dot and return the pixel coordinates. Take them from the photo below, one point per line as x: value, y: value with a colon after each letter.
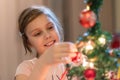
x: 38, y: 73
x: 52, y: 56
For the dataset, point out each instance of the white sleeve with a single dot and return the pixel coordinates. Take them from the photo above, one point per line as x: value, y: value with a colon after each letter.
x: 24, y: 68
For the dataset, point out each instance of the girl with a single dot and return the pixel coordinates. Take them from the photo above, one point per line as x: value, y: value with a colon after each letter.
x: 42, y: 32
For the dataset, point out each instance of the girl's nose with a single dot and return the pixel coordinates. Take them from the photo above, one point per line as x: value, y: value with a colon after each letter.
x: 47, y: 35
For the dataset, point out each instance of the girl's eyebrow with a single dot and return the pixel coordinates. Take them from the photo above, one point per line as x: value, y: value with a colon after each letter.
x: 49, y: 23
x: 34, y: 30
x: 37, y: 29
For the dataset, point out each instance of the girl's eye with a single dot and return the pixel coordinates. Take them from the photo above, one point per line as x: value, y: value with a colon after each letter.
x: 51, y: 28
x: 38, y: 34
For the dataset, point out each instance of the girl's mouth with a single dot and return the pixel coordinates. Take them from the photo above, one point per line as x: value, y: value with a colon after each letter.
x: 50, y: 43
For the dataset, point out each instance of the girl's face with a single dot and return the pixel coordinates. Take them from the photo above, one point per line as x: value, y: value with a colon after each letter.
x: 42, y: 33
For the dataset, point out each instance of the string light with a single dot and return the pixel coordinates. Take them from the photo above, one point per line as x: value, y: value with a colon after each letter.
x: 87, y: 7
x: 102, y: 40
x: 89, y: 46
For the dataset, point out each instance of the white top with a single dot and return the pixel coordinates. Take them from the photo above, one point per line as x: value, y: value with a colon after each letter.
x: 27, y: 66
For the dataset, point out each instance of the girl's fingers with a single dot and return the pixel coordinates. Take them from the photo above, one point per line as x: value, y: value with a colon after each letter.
x: 62, y: 55
x: 62, y: 52
x: 66, y: 47
x: 63, y: 60
x: 65, y: 57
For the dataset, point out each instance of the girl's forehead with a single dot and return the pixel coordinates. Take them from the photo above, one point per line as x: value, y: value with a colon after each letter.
x: 41, y: 21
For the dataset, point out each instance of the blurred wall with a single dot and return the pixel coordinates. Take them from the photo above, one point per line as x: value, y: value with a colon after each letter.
x: 8, y: 42
x: 117, y: 15
x: 11, y: 48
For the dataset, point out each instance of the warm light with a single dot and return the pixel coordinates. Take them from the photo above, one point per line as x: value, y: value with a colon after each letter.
x: 93, y: 59
x: 91, y: 65
x: 89, y: 46
x: 88, y: 7
x: 102, y: 40
x: 87, y: 64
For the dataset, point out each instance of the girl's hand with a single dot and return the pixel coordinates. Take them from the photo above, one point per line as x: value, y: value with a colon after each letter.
x: 59, y: 53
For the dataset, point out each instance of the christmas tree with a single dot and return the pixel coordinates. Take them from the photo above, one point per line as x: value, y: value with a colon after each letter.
x: 101, y: 60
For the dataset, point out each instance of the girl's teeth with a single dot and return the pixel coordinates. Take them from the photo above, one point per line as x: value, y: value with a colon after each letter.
x: 50, y: 43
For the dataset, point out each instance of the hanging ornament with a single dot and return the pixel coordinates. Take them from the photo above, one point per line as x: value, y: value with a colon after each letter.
x: 87, y: 18
x: 90, y: 74
x: 76, y: 59
x: 116, y: 41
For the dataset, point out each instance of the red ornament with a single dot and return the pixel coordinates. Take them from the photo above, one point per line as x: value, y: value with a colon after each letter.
x: 90, y: 74
x: 116, y: 41
x: 76, y: 58
x: 87, y: 18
